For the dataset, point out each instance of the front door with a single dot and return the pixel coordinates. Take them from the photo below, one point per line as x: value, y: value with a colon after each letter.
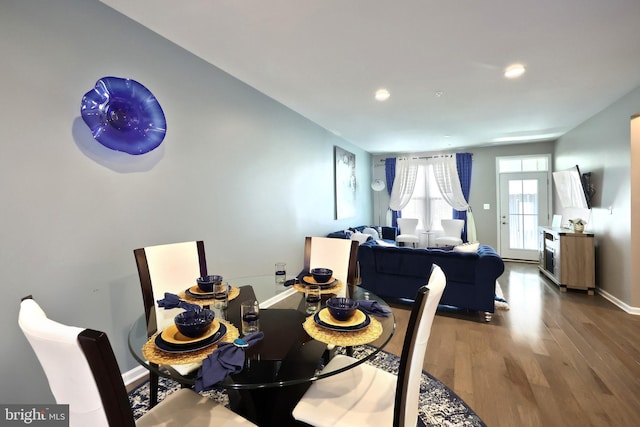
x: 524, y: 205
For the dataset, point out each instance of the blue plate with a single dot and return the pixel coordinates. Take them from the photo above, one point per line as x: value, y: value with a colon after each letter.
x: 195, y: 292
x: 124, y: 115
x: 364, y: 324
x: 184, y: 348
x: 309, y: 280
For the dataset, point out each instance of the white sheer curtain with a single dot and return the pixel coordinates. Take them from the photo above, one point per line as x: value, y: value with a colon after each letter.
x: 446, y: 174
x: 471, y: 227
x: 404, y: 182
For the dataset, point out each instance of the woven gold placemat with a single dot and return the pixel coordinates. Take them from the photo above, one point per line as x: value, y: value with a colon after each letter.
x: 234, y: 291
x: 346, y: 338
x: 300, y: 288
x: 154, y: 355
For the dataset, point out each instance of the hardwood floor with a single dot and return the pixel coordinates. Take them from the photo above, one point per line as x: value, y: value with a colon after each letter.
x: 553, y: 359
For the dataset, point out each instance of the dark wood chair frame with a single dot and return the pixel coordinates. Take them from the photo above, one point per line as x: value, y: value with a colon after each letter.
x: 149, y: 303
x: 408, y: 348
x: 103, y: 364
x: 353, y: 260
x: 147, y: 286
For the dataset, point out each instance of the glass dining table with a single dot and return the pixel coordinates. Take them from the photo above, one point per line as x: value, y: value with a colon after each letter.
x: 280, y: 367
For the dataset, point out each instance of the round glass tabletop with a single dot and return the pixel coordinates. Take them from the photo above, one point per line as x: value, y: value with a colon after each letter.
x: 287, y: 354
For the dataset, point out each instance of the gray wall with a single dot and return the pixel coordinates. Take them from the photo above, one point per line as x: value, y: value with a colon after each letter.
x: 236, y: 169
x: 601, y: 145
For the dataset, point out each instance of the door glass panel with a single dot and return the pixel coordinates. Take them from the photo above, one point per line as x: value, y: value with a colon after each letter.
x: 523, y: 214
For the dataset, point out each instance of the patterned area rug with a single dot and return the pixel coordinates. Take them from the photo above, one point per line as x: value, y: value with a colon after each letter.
x: 439, y: 406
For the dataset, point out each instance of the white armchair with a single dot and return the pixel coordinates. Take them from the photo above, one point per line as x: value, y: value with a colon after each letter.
x: 408, y: 231
x: 452, y: 232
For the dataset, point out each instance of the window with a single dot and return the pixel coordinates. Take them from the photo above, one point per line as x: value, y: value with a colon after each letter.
x: 523, y: 164
x: 427, y: 203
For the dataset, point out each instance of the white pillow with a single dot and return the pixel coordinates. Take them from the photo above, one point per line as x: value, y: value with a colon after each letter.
x: 467, y: 247
x: 360, y: 237
x: 372, y: 232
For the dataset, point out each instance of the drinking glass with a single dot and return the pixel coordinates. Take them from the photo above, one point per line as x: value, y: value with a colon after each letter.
x: 281, y: 273
x: 250, y: 312
x: 312, y: 296
x: 221, y: 295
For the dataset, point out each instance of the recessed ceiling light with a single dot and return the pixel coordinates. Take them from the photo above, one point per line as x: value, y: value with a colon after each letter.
x: 514, y: 71
x: 382, y: 94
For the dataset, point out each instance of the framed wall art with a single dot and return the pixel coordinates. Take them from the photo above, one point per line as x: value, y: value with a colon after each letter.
x: 345, y: 183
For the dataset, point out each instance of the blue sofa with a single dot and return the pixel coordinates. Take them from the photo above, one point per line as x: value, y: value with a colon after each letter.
x: 398, y: 272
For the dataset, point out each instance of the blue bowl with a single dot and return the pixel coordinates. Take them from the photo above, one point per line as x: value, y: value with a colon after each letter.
x: 206, y: 283
x: 194, y: 324
x: 342, y: 308
x: 321, y: 275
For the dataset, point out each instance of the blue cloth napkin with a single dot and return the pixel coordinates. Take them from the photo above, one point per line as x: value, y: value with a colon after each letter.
x: 373, y: 307
x: 227, y: 359
x: 173, y: 301
x: 299, y: 277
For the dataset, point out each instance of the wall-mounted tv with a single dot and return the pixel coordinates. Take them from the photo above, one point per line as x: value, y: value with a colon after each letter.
x: 573, y: 188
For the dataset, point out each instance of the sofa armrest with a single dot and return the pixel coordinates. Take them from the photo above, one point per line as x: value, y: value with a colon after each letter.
x: 491, y: 260
x: 489, y: 266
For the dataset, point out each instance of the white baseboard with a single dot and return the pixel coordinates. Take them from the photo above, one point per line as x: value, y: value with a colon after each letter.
x: 134, y: 375
x: 621, y: 304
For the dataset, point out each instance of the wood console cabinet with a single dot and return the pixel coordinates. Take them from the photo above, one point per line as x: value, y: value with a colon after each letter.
x: 567, y: 258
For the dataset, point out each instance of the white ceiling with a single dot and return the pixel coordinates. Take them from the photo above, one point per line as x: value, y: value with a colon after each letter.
x: 325, y: 58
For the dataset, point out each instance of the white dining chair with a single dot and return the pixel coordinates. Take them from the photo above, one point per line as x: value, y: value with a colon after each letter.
x: 171, y: 267
x: 83, y: 372
x: 340, y: 255
x: 452, y: 232
x: 408, y: 231
x: 361, y: 396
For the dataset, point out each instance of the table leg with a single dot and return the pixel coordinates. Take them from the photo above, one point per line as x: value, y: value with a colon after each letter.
x: 153, y: 388
x: 269, y: 406
x: 273, y: 406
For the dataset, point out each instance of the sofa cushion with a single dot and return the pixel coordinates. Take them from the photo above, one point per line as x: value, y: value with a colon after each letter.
x: 371, y: 231
x: 360, y: 237
x: 383, y: 232
x: 338, y: 235
x: 392, y: 260
x: 467, y: 247
x: 460, y: 266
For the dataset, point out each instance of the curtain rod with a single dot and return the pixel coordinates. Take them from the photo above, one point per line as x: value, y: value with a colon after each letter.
x: 422, y: 157
x: 412, y: 158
